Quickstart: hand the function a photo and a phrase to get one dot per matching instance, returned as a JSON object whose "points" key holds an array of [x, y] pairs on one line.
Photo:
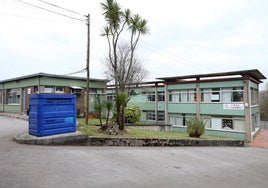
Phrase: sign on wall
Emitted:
{"points": [[233, 106]]}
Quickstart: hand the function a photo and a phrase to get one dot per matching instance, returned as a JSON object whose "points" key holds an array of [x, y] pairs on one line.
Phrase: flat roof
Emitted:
{"points": [[254, 73], [41, 74]]}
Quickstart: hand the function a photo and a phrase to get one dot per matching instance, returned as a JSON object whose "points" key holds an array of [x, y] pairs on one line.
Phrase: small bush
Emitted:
{"points": [[195, 127], [133, 114]]}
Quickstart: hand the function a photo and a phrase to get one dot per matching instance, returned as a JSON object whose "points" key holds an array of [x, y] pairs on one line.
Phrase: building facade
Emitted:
{"points": [[15, 92], [228, 101]]}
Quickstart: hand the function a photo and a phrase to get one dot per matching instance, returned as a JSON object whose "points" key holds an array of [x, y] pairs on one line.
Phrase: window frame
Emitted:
{"points": [[15, 92]]}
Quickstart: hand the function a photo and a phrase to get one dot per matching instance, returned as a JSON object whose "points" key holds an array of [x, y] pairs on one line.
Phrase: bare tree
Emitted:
{"points": [[127, 73]]}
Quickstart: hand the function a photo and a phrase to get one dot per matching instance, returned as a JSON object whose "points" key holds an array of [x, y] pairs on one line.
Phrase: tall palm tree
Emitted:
{"points": [[138, 27], [117, 20]]}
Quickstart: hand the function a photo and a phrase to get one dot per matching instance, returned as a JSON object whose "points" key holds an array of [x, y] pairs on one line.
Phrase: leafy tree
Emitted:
{"points": [[264, 104], [117, 22]]}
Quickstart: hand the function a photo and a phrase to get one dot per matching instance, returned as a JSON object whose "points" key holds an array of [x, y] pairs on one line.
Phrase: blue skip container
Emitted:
{"points": [[51, 114]]}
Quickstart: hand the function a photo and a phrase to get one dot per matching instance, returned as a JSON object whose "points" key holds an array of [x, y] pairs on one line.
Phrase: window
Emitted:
{"points": [[49, 89], [110, 96], [161, 116], [187, 95], [150, 116], [93, 90], [222, 123], [35, 90], [59, 89], [54, 89], [254, 96], [161, 96], [180, 119], [215, 96], [14, 96], [151, 96], [227, 124], [238, 95], [224, 95]]}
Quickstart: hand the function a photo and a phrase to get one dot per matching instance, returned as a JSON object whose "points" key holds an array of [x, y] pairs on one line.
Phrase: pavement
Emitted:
{"points": [[72, 138], [261, 140], [34, 166]]}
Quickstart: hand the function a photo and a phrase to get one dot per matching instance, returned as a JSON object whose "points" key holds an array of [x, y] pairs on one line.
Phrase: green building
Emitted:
{"points": [[15, 92], [227, 101]]}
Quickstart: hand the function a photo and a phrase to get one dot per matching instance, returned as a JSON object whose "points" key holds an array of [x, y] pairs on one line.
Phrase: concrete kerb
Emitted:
{"points": [[75, 138], [78, 138]]}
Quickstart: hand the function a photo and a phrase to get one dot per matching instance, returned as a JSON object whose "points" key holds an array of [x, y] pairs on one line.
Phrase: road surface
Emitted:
{"points": [[32, 166]]}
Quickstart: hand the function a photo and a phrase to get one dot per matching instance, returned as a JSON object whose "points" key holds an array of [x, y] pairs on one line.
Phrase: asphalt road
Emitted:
{"points": [[29, 166]]}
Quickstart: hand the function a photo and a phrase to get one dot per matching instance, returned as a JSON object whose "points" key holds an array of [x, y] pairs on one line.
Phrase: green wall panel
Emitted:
{"points": [[182, 86], [12, 108], [236, 83], [182, 108], [218, 110]]}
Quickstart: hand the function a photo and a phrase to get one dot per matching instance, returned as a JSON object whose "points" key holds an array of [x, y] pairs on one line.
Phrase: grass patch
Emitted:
{"points": [[92, 130]]}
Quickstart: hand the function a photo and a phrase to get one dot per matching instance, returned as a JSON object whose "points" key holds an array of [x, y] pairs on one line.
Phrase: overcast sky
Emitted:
{"points": [[186, 37]]}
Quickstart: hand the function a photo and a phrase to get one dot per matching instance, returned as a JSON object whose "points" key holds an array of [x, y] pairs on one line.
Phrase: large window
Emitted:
{"points": [[180, 119], [181, 96], [224, 95], [14, 96], [160, 96], [222, 123], [150, 116]]}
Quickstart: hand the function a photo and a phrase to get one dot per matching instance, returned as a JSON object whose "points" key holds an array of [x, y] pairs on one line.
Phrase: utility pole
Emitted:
{"points": [[87, 67]]}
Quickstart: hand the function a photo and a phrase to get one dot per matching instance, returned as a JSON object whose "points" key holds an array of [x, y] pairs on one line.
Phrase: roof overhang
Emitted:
{"points": [[253, 73]]}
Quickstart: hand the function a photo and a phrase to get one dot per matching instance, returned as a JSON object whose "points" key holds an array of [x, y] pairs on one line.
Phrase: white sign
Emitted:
{"points": [[215, 97], [233, 106]]}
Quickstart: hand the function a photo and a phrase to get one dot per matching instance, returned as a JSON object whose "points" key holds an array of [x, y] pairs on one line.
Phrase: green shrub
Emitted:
{"points": [[133, 114], [195, 127]]}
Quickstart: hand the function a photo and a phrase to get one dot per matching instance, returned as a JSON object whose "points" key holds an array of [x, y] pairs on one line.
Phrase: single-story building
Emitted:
{"points": [[15, 92]]}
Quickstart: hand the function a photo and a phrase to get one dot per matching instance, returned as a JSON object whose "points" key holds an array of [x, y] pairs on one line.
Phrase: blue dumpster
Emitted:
{"points": [[51, 114]]}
